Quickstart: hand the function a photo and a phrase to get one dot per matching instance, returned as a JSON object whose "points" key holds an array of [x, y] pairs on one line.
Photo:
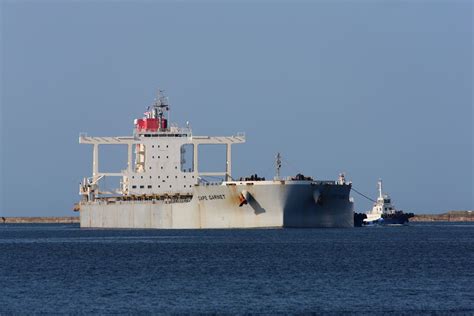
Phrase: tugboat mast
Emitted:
{"points": [[380, 188]]}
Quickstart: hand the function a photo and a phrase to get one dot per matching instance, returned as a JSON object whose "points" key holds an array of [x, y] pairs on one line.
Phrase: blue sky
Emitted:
{"points": [[371, 88]]}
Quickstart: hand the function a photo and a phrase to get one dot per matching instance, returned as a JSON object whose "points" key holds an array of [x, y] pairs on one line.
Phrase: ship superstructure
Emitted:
{"points": [[162, 186]]}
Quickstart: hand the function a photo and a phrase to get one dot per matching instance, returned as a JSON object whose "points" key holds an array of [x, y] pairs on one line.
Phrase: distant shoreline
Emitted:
{"points": [[40, 220], [451, 216]]}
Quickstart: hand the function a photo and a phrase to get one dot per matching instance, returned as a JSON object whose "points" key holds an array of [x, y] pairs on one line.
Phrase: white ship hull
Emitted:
{"points": [[270, 204]]}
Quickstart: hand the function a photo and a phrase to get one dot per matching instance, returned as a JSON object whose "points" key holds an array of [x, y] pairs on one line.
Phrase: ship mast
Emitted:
{"points": [[159, 106], [278, 166], [380, 188]]}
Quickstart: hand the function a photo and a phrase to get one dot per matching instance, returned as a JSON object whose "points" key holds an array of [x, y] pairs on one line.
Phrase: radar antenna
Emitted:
{"points": [[160, 106]]}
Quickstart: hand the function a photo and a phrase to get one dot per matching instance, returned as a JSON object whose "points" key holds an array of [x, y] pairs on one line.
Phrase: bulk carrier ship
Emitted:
{"points": [[163, 188]]}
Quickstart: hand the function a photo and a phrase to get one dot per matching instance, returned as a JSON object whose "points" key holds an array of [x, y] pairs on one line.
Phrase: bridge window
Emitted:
{"points": [[134, 186], [142, 187], [149, 187]]}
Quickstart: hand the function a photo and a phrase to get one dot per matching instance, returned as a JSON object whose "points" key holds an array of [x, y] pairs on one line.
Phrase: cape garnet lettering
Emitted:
{"points": [[212, 197]]}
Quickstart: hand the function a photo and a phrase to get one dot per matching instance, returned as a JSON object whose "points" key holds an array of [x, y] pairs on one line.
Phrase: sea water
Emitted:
{"points": [[421, 268]]}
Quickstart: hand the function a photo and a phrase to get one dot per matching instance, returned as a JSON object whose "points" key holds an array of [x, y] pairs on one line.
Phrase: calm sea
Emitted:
{"points": [[422, 268]]}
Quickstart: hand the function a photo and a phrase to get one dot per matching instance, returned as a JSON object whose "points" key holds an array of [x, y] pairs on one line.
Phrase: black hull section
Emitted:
{"points": [[398, 218], [331, 208]]}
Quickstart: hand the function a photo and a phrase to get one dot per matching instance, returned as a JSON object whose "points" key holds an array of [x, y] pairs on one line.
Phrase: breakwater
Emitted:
{"points": [[40, 220], [451, 216]]}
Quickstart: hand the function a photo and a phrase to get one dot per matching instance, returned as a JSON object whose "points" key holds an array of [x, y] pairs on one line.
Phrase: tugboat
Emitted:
{"points": [[384, 212]]}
